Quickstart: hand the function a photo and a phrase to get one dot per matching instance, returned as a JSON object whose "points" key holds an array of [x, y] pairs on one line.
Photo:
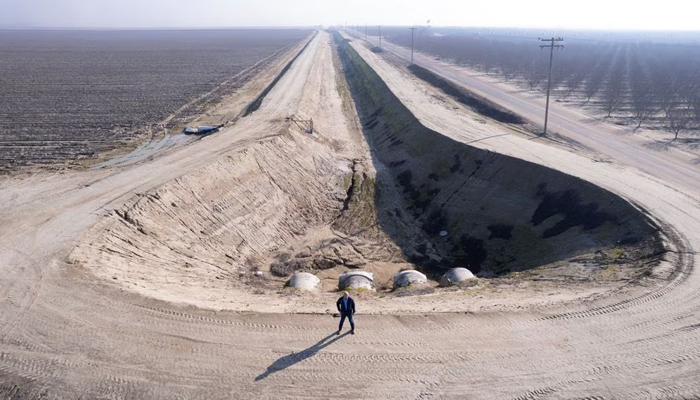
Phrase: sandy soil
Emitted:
{"points": [[66, 334], [199, 239], [277, 196]]}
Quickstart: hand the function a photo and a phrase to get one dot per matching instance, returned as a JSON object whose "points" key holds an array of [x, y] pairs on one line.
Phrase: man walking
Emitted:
{"points": [[346, 307]]}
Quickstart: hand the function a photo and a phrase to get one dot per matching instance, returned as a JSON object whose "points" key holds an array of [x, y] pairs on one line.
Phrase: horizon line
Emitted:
{"points": [[321, 26]]}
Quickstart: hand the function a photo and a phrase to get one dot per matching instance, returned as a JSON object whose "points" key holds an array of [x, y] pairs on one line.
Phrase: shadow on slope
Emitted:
{"points": [[474, 208], [476, 103]]}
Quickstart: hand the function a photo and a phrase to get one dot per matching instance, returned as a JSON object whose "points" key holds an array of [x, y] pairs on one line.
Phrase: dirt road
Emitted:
{"points": [[65, 334], [612, 143]]}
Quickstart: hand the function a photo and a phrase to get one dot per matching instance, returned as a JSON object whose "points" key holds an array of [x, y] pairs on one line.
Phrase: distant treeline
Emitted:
{"points": [[636, 78]]}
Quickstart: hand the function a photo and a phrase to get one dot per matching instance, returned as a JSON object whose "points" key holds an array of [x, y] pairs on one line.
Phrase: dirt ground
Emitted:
{"points": [[196, 240], [96, 303]]}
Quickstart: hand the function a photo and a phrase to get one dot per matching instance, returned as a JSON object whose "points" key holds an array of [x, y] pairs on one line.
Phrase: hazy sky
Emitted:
{"points": [[594, 14]]}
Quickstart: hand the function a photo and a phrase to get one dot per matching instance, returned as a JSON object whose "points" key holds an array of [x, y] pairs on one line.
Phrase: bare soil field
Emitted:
{"points": [[155, 279], [69, 95]]}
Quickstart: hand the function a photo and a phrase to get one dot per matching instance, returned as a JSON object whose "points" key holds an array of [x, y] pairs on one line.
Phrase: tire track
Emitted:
{"points": [[684, 268], [28, 299]]}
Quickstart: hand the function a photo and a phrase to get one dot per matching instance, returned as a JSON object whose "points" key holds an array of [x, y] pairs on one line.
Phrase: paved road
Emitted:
{"points": [[602, 138]]}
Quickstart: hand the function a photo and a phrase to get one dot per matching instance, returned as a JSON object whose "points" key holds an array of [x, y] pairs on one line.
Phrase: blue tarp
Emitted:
{"points": [[200, 130]]}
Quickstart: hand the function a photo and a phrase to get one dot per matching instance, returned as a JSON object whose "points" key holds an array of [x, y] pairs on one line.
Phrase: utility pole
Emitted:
{"points": [[551, 46], [412, 31], [365, 31], [380, 36]]}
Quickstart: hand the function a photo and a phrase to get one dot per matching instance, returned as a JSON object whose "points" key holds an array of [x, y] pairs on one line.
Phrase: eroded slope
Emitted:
{"points": [[292, 201], [329, 201]]}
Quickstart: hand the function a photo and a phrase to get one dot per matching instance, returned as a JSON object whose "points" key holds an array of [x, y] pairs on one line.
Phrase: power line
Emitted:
{"points": [[412, 31], [551, 46]]}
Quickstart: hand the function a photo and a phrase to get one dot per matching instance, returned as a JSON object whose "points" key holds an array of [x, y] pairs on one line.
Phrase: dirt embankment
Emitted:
{"points": [[488, 212], [292, 201], [255, 104], [476, 103], [330, 201]]}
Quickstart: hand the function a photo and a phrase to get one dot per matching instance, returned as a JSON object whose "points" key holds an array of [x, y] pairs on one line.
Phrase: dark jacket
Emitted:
{"points": [[341, 306]]}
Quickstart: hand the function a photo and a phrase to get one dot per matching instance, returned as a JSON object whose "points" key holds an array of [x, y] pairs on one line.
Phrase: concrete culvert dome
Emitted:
{"points": [[409, 277], [356, 280], [456, 275], [304, 281]]}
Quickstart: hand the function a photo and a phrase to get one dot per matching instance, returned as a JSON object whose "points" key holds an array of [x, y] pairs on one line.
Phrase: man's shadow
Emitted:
{"points": [[291, 359]]}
